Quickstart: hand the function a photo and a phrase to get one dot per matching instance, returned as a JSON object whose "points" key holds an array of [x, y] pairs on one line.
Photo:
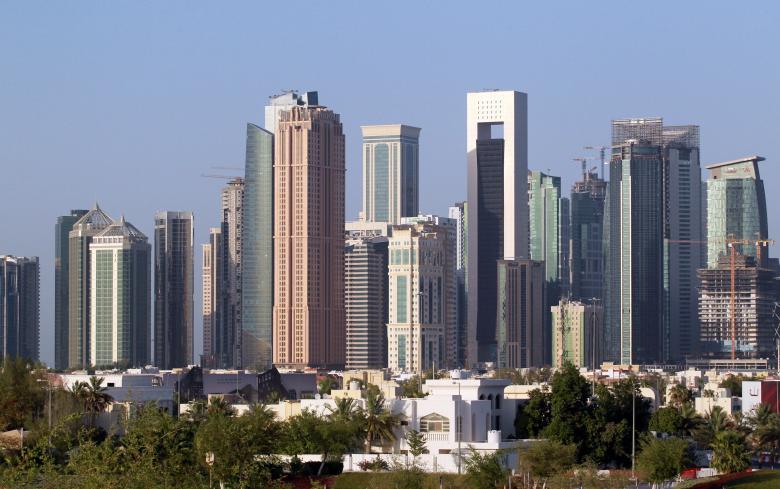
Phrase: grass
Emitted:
{"points": [[769, 479], [387, 480]]}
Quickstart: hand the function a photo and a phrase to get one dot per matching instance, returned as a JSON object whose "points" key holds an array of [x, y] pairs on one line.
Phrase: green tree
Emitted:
{"points": [[416, 442], [93, 396], [729, 452], [330, 437], [547, 458], [326, 385], [535, 415], [662, 460], [666, 420], [345, 409], [678, 396], [734, 384], [569, 407], [690, 421], [484, 471], [378, 421], [412, 388], [22, 397], [765, 430]]}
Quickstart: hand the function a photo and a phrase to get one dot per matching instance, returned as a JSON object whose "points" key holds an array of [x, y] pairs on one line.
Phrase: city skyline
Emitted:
{"points": [[730, 111]]}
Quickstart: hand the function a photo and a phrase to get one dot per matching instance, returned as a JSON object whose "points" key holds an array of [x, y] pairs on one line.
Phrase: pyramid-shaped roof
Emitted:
{"points": [[95, 218], [124, 229]]}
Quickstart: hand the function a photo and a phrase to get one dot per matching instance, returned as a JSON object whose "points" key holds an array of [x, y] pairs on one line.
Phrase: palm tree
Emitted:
{"points": [[729, 452], [378, 421], [679, 395], [218, 406], [690, 419], [93, 396], [344, 410], [766, 430]]}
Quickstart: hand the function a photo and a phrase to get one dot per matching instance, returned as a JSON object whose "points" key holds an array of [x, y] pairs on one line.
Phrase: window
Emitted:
{"points": [[434, 422]]}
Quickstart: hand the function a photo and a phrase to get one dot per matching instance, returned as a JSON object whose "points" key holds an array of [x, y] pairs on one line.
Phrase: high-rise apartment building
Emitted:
{"points": [[120, 297], [520, 327], [390, 172], [576, 329], [215, 348], [683, 235], [634, 244], [736, 207], [19, 307], [79, 283], [231, 263], [365, 300], [587, 237], [421, 297], [756, 293], [62, 231], [497, 152], [286, 101], [257, 261], [458, 213], [174, 327], [309, 316]]}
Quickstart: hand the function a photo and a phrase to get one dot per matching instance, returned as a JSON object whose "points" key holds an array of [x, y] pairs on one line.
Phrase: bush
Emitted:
{"points": [[375, 465]]}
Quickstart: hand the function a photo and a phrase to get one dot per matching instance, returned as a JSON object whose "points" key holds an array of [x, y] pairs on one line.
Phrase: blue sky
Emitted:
{"points": [[128, 103]]}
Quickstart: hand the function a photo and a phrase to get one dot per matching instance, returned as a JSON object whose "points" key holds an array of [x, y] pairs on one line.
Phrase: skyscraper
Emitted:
{"points": [[587, 235], [736, 207], [62, 230], [79, 282], [634, 244], [365, 299], [173, 289], [309, 317], [520, 326], [497, 151], [120, 302], [458, 213], [231, 263], [575, 330], [683, 233], [214, 354], [286, 101], [257, 291], [19, 307], [390, 172], [421, 298]]}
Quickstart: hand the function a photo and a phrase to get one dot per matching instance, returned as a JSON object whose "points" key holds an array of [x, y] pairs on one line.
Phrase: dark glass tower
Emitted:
{"points": [[19, 307], [587, 234], [173, 289], [62, 229], [257, 260]]}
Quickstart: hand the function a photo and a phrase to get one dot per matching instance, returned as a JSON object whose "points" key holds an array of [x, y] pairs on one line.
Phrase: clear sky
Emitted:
{"points": [[128, 103]]}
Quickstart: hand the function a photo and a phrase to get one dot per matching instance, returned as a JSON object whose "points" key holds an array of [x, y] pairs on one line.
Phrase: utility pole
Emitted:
{"points": [[633, 428]]}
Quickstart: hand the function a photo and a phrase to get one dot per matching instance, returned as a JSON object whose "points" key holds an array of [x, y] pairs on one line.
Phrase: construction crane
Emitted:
{"points": [[602, 153], [731, 243], [221, 177], [583, 162]]}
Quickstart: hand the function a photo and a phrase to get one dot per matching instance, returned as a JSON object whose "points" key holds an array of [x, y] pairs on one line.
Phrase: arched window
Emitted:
{"points": [[434, 422], [482, 397]]}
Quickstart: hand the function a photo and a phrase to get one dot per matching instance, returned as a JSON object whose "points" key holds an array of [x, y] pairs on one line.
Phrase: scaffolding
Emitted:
{"points": [[644, 129], [681, 136]]}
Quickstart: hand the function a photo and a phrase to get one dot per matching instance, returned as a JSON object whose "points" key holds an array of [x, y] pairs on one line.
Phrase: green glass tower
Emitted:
{"points": [[62, 230]]}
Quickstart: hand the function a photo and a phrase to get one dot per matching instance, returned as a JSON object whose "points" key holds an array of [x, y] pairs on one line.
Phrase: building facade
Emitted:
{"points": [[736, 207], [214, 343], [79, 283], [576, 329], [62, 230], [309, 317], [634, 244], [587, 237], [19, 307], [458, 214], [497, 155], [520, 319], [231, 262], [365, 300], [286, 101], [421, 297], [390, 172], [120, 297], [756, 293], [257, 260], [174, 326]]}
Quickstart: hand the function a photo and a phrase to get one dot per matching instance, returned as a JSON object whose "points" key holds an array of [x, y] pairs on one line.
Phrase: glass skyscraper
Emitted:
{"points": [[587, 235], [390, 172], [62, 230], [257, 261], [19, 307]]}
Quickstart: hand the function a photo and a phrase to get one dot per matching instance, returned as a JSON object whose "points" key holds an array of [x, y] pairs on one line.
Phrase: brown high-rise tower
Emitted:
{"points": [[309, 319]]}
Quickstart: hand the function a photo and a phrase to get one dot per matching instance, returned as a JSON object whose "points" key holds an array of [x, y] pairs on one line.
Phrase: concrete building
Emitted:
{"points": [[79, 281], [497, 152], [520, 327], [309, 317], [231, 261], [736, 207], [757, 392], [211, 292], [365, 299], [576, 330], [390, 172], [62, 230], [366, 229], [756, 292], [257, 294], [120, 297], [421, 297], [634, 231], [683, 235], [587, 237], [458, 213], [174, 326], [20, 307], [286, 101]]}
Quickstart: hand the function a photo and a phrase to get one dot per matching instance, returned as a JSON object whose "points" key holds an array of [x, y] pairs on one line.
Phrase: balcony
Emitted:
{"points": [[437, 436]]}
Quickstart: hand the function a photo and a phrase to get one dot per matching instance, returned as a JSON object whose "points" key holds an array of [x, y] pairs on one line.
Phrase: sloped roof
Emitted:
{"points": [[122, 228], [95, 218]]}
